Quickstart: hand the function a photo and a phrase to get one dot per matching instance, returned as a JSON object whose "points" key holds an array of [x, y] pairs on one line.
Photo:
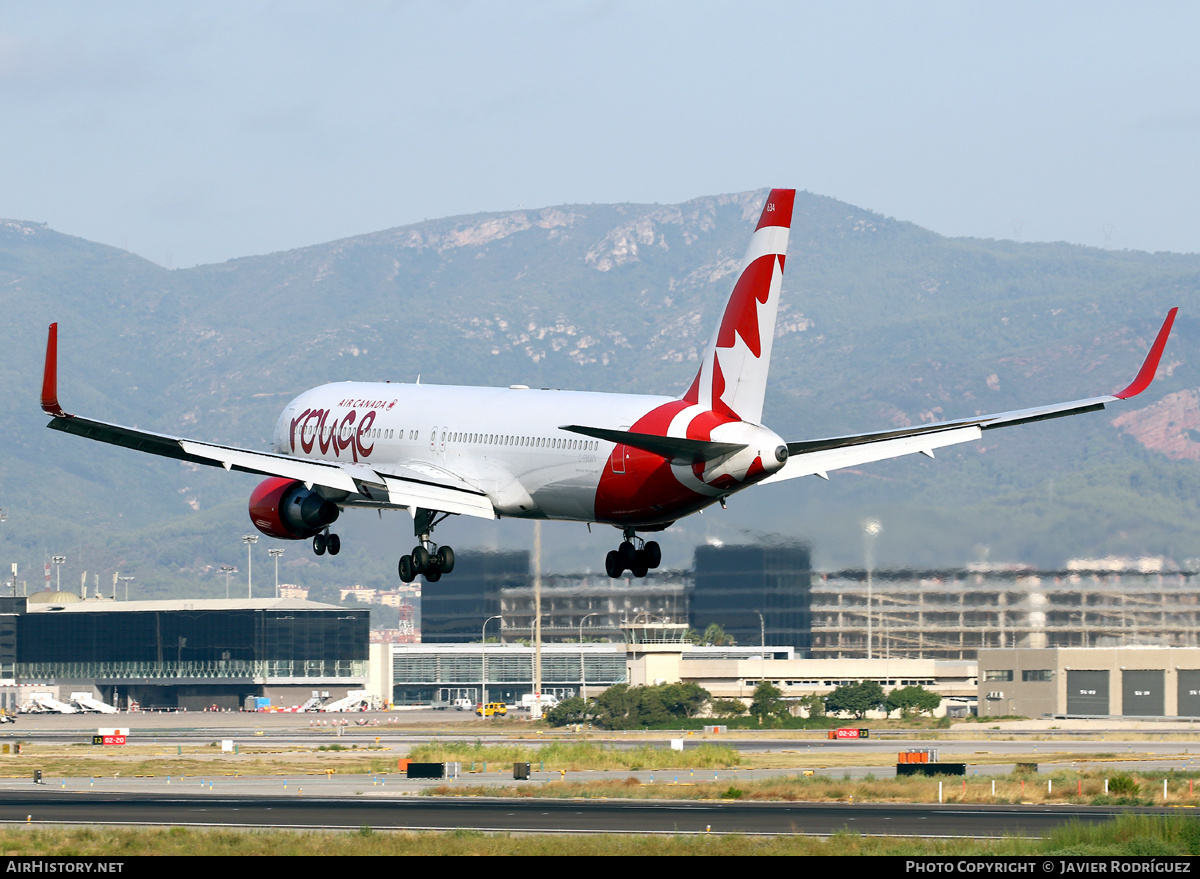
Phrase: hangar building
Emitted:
{"points": [[1127, 681]]}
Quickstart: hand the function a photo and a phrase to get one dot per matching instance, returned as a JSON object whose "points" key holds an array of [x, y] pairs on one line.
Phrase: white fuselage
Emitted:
{"points": [[508, 443]]}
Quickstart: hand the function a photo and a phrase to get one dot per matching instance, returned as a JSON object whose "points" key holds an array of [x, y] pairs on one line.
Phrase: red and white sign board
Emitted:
{"points": [[851, 733], [111, 735]]}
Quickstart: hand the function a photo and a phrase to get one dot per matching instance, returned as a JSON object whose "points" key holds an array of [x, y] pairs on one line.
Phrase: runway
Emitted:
{"points": [[302, 812]]}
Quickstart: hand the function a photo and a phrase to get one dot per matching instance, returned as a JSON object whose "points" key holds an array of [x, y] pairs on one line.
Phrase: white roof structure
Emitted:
{"points": [[181, 604]]}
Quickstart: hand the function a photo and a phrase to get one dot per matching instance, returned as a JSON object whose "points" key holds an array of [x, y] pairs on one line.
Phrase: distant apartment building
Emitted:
{"points": [[395, 598], [594, 606], [404, 633], [955, 613], [769, 594], [365, 594]]}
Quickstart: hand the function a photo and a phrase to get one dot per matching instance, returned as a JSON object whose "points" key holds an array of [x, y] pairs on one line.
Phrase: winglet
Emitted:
{"points": [[1150, 364], [50, 377]]}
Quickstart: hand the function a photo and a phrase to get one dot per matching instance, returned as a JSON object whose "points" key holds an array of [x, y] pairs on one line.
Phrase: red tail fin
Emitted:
{"points": [[732, 378]]}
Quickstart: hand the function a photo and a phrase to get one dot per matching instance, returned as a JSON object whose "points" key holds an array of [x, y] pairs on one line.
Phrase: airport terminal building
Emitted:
{"points": [[651, 653], [193, 654]]}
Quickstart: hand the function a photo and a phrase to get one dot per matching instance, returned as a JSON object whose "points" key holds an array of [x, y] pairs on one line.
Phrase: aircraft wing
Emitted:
{"points": [[400, 486], [431, 488], [818, 457]]}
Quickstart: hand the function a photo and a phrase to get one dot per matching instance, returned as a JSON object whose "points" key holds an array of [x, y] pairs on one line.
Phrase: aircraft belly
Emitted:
{"points": [[648, 494], [572, 499]]}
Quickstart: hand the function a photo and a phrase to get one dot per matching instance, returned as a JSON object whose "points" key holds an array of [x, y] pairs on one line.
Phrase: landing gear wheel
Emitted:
{"points": [[407, 574], [427, 557], [335, 544], [319, 544], [639, 568], [653, 554], [420, 557], [626, 555], [612, 564]]}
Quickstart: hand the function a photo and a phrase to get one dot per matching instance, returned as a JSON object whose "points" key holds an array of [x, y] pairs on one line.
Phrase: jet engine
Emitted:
{"points": [[284, 508]]}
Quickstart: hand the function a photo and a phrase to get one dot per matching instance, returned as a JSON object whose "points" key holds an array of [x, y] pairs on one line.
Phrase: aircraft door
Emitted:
{"points": [[620, 454], [283, 438]]}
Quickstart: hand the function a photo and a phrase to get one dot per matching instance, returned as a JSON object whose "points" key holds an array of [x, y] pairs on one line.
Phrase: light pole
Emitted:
{"points": [[275, 552], [250, 540], [483, 654], [871, 529], [762, 656], [3, 519], [58, 561], [126, 580], [582, 674], [227, 570]]}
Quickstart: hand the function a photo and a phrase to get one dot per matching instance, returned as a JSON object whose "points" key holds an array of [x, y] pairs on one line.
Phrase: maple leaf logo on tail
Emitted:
{"points": [[732, 378]]}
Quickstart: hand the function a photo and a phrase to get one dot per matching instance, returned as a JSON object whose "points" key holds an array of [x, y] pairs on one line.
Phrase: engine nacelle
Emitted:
{"points": [[284, 508]]}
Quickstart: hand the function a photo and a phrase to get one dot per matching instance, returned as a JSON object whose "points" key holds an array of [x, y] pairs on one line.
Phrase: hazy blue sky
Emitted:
{"points": [[196, 132]]}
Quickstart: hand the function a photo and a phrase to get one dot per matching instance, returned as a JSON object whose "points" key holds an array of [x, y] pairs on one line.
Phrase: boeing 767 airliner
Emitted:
{"points": [[636, 462]]}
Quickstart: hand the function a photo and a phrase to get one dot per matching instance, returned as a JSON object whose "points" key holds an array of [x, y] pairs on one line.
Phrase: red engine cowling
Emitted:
{"points": [[284, 508]]}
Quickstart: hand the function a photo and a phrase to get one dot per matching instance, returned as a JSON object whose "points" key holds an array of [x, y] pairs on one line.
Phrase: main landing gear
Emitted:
{"points": [[427, 558], [634, 555], [323, 541]]}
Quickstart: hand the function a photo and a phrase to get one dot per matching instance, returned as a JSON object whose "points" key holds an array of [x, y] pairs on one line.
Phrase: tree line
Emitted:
{"points": [[669, 705]]}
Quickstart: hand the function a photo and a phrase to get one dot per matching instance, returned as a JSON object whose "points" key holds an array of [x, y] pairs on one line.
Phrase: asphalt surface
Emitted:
{"points": [[544, 816]]}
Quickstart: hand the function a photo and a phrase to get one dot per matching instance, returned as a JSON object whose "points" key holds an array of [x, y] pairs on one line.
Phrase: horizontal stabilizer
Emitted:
{"points": [[674, 448]]}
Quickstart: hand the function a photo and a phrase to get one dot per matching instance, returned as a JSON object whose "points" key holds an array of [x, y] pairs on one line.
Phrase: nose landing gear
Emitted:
{"points": [[634, 555], [427, 558]]}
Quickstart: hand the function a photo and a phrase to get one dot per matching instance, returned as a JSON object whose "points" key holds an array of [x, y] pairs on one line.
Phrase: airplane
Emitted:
{"points": [[636, 462]]}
